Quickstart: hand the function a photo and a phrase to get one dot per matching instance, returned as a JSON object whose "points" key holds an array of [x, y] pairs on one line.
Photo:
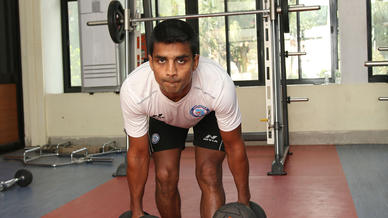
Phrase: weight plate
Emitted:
{"points": [[284, 16], [259, 212], [27, 177], [116, 21]]}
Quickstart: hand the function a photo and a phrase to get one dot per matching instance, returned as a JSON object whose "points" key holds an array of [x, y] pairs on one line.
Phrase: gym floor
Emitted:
{"points": [[323, 181]]}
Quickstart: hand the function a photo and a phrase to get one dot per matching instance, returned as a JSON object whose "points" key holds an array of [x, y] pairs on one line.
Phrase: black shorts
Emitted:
{"points": [[206, 134]]}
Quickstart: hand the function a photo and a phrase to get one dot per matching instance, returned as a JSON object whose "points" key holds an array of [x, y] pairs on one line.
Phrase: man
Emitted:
{"points": [[160, 101]]}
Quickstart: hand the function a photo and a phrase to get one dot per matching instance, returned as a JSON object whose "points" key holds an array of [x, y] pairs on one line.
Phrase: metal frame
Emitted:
{"points": [[68, 88], [370, 64], [277, 99], [86, 158]]}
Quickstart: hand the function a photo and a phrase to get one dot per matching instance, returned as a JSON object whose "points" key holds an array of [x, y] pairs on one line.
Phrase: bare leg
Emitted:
{"points": [[209, 176], [167, 195]]}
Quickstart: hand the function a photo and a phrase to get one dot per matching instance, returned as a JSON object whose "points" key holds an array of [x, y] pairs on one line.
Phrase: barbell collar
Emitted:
{"points": [[383, 98], [383, 49], [376, 63]]}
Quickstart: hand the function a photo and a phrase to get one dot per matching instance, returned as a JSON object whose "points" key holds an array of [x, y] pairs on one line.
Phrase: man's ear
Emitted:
{"points": [[196, 61], [150, 62]]}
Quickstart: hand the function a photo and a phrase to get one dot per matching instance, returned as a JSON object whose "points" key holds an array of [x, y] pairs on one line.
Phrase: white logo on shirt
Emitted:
{"points": [[210, 138], [155, 138]]}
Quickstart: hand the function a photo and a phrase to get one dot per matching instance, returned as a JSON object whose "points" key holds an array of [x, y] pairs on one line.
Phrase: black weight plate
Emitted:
{"points": [[234, 210], [128, 214], [284, 16], [259, 212], [27, 177], [116, 21]]}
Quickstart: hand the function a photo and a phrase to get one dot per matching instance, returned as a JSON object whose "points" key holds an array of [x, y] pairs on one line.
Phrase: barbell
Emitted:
{"points": [[119, 20], [22, 178]]}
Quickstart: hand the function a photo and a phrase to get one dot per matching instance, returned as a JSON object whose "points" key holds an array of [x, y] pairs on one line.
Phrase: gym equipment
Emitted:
{"points": [[118, 19], [77, 156], [259, 211], [234, 210], [382, 48], [128, 214], [383, 98], [275, 24], [377, 63], [22, 177]]}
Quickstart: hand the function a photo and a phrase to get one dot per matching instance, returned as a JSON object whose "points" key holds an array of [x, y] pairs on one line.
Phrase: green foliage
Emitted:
{"points": [[380, 23], [379, 34]]}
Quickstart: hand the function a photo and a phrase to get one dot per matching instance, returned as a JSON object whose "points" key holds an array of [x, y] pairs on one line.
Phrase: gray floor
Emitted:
{"points": [[41, 196], [366, 170]]}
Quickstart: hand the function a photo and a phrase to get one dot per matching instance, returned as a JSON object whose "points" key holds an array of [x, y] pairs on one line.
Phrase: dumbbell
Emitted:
{"points": [[128, 214], [239, 210], [22, 178]]}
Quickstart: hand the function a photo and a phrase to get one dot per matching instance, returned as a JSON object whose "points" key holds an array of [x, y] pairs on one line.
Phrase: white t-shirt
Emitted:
{"points": [[212, 90]]}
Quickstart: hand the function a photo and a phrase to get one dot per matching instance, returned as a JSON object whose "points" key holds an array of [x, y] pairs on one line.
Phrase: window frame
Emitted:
{"points": [[68, 88], [372, 78], [333, 8], [192, 7]]}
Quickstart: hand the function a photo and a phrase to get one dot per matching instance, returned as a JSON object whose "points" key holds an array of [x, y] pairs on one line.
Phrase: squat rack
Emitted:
{"points": [[276, 23]]}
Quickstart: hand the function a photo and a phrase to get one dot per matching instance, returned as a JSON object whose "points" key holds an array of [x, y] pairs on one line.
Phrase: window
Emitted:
{"points": [[313, 32], [70, 46], [377, 15], [236, 42], [231, 41]]}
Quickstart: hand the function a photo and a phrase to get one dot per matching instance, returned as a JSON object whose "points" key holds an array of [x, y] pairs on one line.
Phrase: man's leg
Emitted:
{"points": [[209, 175], [167, 176]]}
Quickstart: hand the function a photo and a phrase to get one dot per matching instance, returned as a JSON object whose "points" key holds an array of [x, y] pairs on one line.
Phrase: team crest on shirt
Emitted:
{"points": [[199, 111]]}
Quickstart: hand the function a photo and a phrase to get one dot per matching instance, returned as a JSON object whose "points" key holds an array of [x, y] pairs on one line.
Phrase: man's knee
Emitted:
{"points": [[209, 175], [166, 180]]}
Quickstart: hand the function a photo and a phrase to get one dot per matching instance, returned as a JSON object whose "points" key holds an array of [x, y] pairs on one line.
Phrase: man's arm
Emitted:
{"points": [[238, 162], [138, 159]]}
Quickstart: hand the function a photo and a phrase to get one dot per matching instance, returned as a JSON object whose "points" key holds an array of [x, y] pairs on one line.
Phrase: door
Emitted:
{"points": [[11, 104]]}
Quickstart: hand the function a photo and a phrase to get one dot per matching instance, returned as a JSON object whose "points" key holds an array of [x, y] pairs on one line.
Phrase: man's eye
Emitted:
{"points": [[181, 61], [162, 61]]}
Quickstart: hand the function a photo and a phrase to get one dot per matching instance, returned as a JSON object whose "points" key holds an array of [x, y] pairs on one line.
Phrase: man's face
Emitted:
{"points": [[173, 64]]}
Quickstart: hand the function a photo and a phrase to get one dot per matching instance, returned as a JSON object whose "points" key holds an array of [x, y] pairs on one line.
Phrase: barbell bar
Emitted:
{"points": [[295, 8], [119, 19]]}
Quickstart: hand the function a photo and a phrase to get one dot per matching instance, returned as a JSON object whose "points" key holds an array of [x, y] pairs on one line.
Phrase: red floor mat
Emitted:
{"points": [[315, 187]]}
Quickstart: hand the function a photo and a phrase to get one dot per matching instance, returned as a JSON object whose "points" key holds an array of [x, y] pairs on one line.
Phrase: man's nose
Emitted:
{"points": [[171, 71]]}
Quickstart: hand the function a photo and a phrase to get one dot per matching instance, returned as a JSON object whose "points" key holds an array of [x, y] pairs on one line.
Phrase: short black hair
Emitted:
{"points": [[171, 31]]}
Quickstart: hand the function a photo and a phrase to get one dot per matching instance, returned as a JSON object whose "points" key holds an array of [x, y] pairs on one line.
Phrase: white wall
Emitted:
{"points": [[52, 46], [353, 41], [34, 106], [334, 109]]}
